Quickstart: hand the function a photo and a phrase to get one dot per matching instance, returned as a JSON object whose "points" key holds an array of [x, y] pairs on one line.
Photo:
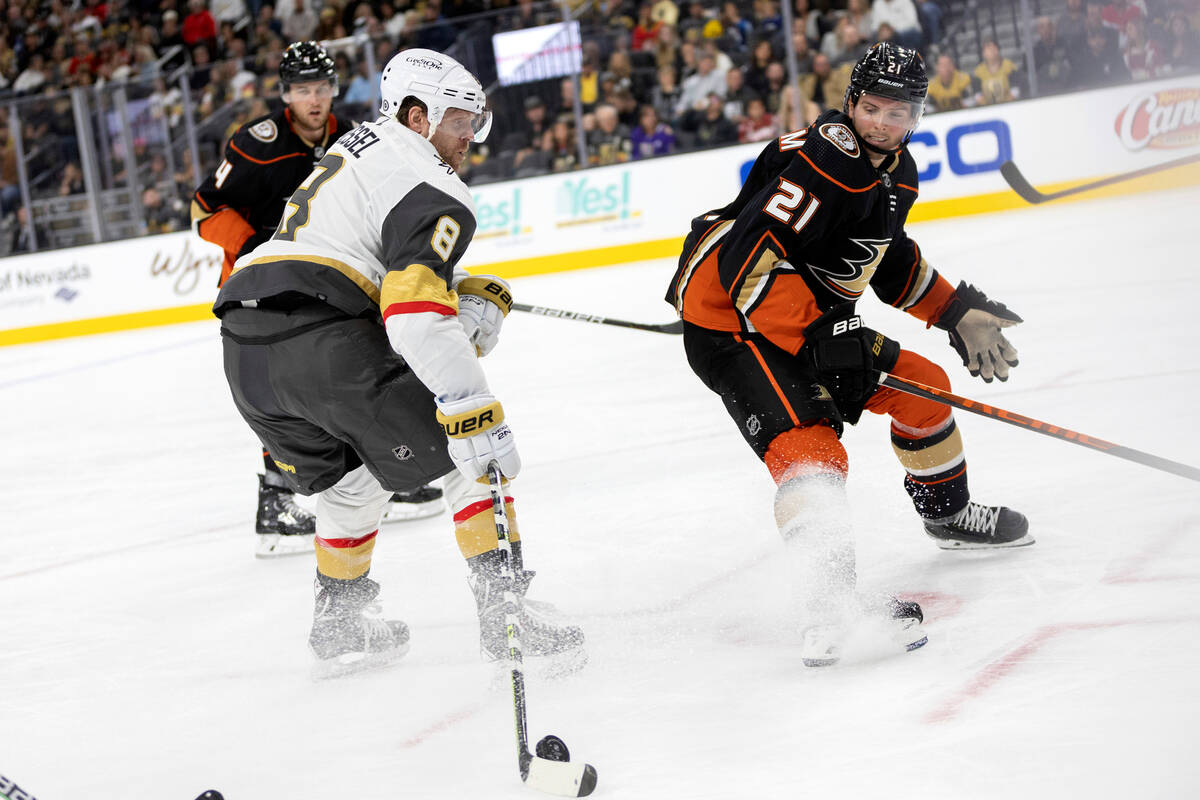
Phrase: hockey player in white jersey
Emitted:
{"points": [[352, 343]]}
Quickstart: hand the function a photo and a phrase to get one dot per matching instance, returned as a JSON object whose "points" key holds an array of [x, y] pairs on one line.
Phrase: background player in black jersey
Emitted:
{"points": [[238, 208], [766, 287]]}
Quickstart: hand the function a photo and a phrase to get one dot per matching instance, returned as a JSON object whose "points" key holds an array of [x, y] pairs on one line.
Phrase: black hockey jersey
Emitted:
{"points": [[814, 225], [239, 206]]}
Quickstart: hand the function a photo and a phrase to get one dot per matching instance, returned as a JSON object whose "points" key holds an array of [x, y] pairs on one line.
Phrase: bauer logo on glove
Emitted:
{"points": [[477, 435], [471, 422]]}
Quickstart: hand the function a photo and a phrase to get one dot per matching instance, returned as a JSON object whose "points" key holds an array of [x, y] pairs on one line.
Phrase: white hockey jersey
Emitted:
{"points": [[378, 227]]}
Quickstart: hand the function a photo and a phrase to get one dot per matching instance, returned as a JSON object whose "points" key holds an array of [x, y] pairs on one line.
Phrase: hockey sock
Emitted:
{"points": [[936, 467], [475, 527], [344, 559], [813, 514]]}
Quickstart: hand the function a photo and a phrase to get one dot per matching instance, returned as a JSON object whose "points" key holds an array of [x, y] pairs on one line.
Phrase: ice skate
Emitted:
{"points": [[896, 621], [543, 633], [979, 527], [349, 633], [283, 527], [420, 503]]}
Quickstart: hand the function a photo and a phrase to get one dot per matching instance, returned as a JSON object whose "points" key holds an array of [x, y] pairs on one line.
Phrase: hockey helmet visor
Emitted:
{"points": [[893, 72], [462, 124]]}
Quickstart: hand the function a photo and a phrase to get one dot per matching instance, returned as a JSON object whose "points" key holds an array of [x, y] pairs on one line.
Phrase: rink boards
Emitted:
{"points": [[641, 210]]}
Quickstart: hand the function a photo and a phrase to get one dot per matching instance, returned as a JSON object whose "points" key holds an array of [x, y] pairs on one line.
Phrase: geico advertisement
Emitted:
{"points": [[958, 154]]}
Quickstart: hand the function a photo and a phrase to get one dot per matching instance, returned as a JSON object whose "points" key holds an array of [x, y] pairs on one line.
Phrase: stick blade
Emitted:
{"points": [[562, 778], [1017, 181]]}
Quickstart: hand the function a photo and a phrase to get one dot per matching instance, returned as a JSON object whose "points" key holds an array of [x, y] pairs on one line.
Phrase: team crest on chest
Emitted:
{"points": [[841, 136], [265, 131]]}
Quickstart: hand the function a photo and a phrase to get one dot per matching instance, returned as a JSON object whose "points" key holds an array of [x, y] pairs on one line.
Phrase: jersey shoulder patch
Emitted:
{"points": [[841, 136], [266, 131], [834, 151]]}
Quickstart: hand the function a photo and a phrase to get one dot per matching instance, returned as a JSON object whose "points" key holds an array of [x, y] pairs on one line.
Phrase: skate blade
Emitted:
{"points": [[829, 661], [954, 544], [352, 663], [821, 645], [870, 640], [406, 512], [274, 545]]}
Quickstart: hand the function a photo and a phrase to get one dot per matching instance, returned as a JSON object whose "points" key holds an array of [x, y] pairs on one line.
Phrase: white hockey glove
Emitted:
{"points": [[974, 324], [478, 434], [483, 303]]}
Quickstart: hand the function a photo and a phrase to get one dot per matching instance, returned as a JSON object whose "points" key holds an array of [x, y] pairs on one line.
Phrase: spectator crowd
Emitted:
{"points": [[657, 77]]}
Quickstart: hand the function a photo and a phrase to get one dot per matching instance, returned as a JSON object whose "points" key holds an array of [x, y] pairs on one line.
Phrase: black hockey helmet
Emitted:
{"points": [[889, 70], [306, 61]]}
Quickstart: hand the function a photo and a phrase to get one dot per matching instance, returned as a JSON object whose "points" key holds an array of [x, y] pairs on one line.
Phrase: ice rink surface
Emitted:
{"points": [[147, 654]]}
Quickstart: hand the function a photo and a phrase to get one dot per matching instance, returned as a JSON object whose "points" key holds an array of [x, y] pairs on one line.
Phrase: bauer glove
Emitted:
{"points": [[483, 303], [847, 357], [478, 435], [974, 324]]}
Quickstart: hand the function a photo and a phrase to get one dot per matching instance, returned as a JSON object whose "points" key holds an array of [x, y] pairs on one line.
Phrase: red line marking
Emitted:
{"points": [[996, 671], [442, 724]]}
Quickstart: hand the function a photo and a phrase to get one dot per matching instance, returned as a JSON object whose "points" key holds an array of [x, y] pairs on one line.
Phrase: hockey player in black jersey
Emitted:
{"points": [[238, 208], [766, 287]]}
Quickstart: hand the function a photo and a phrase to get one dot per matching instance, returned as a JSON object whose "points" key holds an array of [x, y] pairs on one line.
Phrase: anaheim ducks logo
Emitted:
{"points": [[853, 279], [841, 136], [265, 131]]}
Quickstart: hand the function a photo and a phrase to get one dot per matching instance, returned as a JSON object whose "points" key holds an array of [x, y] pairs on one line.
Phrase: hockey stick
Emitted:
{"points": [[551, 770], [666, 327], [1031, 195], [1045, 428]]}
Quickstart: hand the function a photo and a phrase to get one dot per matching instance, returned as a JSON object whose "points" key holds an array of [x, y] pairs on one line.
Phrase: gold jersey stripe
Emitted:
{"points": [[360, 280], [416, 283]]}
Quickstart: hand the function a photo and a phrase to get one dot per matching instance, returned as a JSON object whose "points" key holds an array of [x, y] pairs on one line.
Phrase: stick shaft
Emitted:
{"points": [[511, 622], [543, 311], [1037, 426], [1023, 187]]}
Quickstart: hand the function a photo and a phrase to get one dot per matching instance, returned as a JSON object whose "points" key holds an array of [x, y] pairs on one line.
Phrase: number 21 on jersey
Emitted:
{"points": [[295, 214], [784, 202]]}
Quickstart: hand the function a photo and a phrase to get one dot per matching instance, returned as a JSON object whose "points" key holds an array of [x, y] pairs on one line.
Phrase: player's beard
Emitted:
{"points": [[310, 126], [450, 149]]}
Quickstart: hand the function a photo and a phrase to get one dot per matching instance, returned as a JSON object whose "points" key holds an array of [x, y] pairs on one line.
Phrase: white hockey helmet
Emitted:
{"points": [[440, 83]]}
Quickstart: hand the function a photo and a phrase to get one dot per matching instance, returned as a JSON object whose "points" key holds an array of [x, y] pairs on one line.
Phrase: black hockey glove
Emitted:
{"points": [[847, 357], [974, 324]]}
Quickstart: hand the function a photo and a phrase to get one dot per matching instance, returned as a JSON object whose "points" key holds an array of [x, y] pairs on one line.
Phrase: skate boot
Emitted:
{"points": [[898, 622], [543, 633], [348, 631], [283, 527], [425, 501], [979, 527]]}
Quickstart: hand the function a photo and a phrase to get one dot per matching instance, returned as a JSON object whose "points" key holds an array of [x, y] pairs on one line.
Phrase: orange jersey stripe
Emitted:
{"points": [[832, 180], [250, 158], [770, 377]]}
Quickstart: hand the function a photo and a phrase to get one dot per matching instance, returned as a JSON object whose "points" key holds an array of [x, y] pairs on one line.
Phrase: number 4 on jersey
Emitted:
{"points": [[784, 202]]}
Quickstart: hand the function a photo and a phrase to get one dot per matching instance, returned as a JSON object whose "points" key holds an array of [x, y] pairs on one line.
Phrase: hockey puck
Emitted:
{"points": [[552, 748], [211, 794]]}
